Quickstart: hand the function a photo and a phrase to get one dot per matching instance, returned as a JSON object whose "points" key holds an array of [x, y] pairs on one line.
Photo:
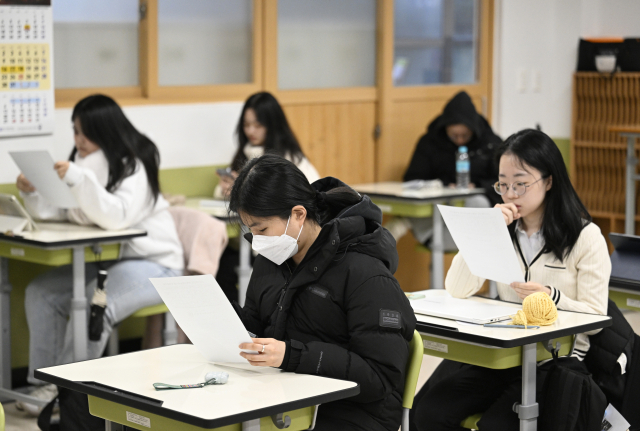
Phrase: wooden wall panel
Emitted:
{"points": [[338, 138]]}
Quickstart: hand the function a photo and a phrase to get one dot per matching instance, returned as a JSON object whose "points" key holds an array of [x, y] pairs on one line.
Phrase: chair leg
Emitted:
{"points": [[153, 332], [405, 420], [113, 344], [170, 330]]}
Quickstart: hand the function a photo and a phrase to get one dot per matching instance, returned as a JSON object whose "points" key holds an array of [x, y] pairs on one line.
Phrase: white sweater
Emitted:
{"points": [[579, 283], [131, 205], [303, 164]]}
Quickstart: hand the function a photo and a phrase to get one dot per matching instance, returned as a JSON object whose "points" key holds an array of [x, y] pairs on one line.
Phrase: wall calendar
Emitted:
{"points": [[26, 80]]}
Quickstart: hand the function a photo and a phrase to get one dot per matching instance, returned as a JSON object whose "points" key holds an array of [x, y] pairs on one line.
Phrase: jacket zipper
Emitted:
{"points": [[284, 289]]}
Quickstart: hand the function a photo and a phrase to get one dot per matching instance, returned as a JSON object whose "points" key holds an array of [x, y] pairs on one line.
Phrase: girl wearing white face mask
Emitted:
{"points": [[113, 174], [323, 276]]}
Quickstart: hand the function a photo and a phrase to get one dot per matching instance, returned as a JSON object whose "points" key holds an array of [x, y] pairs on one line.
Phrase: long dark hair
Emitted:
{"points": [[279, 139], [270, 186], [103, 123], [564, 213]]}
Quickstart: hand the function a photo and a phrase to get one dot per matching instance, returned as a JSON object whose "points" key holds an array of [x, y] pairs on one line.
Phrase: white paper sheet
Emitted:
{"points": [[37, 166], [483, 239], [206, 316]]}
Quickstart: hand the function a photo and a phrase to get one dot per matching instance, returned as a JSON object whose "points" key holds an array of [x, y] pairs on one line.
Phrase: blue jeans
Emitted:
{"points": [[48, 304]]}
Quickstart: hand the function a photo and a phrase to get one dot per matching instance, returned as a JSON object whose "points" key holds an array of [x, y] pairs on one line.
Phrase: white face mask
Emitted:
{"points": [[276, 248], [253, 151]]}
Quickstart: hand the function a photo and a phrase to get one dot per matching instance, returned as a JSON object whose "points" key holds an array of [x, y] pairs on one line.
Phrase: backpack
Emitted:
{"points": [[571, 400], [74, 413]]}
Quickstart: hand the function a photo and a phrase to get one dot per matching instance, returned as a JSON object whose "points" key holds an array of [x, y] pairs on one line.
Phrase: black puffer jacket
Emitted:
{"points": [[435, 154], [341, 313]]}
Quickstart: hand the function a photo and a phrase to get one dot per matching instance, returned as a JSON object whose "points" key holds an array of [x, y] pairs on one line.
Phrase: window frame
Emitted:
{"points": [[148, 91], [265, 68]]}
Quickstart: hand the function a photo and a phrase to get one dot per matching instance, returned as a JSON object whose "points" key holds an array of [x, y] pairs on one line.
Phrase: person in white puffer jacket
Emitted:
{"points": [[113, 174]]}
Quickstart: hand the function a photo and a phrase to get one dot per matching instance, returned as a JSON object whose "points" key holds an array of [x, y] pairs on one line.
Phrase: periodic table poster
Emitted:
{"points": [[26, 81]]}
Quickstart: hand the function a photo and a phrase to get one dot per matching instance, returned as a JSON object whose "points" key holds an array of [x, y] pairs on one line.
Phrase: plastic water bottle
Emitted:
{"points": [[462, 168]]}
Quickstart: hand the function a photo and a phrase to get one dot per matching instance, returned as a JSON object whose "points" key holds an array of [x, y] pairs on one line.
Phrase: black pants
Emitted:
{"points": [[467, 390]]}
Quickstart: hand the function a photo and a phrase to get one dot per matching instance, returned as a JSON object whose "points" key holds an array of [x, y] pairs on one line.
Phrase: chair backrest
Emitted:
{"points": [[416, 352]]}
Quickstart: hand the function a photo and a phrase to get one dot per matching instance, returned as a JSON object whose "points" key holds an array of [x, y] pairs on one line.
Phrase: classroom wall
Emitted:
{"points": [[535, 47], [199, 134]]}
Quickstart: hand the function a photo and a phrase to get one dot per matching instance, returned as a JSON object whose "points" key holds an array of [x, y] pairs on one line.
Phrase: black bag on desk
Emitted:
{"points": [[571, 400], [74, 413]]}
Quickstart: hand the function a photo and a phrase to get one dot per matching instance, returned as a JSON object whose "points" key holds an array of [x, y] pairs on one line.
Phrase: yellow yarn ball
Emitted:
{"points": [[537, 309]]}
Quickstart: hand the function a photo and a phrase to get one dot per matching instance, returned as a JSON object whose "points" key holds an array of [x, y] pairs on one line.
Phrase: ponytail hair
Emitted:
{"points": [[270, 186]]}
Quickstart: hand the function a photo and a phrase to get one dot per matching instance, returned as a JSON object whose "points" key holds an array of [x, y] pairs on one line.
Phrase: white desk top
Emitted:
{"points": [[394, 189], [52, 235], [568, 323], [214, 207], [248, 389]]}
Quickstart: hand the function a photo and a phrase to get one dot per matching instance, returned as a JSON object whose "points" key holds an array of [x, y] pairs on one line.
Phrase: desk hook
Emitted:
{"points": [[281, 421], [548, 346]]}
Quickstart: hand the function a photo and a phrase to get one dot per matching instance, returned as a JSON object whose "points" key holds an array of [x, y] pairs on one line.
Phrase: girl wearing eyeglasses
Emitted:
{"points": [[561, 252]]}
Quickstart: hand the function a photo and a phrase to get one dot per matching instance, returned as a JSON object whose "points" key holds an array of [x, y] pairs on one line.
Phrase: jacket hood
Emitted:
{"points": [[459, 110], [358, 228]]}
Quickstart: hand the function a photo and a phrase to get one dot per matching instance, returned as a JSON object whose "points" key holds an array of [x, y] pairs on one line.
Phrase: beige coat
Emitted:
{"points": [[580, 283]]}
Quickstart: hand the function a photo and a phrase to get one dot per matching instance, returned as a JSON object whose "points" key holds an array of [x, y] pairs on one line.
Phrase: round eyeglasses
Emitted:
{"points": [[519, 188]]}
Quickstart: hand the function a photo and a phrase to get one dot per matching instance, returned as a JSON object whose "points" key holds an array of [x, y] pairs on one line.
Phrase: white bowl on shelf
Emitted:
{"points": [[605, 63]]}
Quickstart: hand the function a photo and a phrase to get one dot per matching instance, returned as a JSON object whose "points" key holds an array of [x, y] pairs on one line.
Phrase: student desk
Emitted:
{"points": [[55, 244], [120, 390], [220, 211], [632, 133], [500, 348], [393, 199]]}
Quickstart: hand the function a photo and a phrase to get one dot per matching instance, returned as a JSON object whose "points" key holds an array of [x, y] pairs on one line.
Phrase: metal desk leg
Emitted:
{"points": [[437, 250], [630, 200], [5, 321], [112, 426], [79, 306], [528, 409], [244, 270]]}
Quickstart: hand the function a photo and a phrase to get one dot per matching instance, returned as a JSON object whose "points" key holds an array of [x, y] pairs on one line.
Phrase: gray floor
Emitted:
{"points": [[18, 421]]}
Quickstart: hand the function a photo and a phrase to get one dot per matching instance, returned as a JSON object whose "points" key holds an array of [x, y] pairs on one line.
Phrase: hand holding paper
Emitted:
{"points": [[205, 315], [37, 167], [484, 242]]}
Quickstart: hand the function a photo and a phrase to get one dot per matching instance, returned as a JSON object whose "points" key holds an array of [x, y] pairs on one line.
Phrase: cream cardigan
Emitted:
{"points": [[579, 283]]}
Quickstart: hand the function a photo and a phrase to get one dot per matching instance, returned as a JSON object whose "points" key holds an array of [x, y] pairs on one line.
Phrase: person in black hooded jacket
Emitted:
{"points": [[435, 159], [322, 297], [458, 125]]}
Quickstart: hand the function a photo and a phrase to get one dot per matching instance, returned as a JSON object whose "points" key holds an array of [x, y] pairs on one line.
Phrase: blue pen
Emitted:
{"points": [[489, 325]]}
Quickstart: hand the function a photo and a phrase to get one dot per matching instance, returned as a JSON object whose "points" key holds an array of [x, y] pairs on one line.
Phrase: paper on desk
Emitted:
{"points": [[37, 166], [484, 242], [206, 316]]}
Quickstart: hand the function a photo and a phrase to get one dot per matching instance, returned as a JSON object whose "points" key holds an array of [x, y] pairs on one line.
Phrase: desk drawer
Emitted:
{"points": [[483, 356], [141, 420]]}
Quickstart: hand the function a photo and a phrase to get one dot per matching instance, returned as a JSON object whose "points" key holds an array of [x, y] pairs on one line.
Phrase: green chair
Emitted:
{"points": [[471, 422], [1, 418], [170, 332], [416, 350]]}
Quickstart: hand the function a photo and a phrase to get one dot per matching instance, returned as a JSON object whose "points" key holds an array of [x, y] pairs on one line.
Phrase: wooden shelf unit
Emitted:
{"points": [[598, 156]]}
